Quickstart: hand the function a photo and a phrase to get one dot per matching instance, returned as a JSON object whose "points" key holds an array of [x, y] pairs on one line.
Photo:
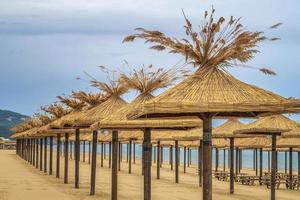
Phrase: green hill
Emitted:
{"points": [[9, 119]]}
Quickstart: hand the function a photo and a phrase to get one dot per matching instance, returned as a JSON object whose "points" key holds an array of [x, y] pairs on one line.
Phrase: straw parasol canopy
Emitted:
{"points": [[226, 130], [294, 133], [270, 124]]}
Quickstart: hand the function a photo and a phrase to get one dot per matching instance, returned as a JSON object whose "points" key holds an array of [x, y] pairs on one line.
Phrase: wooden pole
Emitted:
{"points": [[256, 163], [147, 163], [51, 155], [77, 156], [104, 151], [129, 155], [127, 151], [188, 157], [176, 162], [83, 158], [90, 152], [66, 158], [45, 154], [37, 153], [273, 171], [71, 149], [298, 163], [285, 162], [184, 160], [93, 165], [269, 169], [240, 160], [114, 166], [119, 156], [33, 152], [206, 158], [58, 146], [236, 160], [224, 160], [171, 156], [109, 155], [290, 168], [217, 160], [200, 168], [102, 147], [158, 160], [231, 165], [254, 159], [41, 154], [260, 165]]}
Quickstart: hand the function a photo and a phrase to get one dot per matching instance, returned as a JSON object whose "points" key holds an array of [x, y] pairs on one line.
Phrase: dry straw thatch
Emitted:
{"points": [[218, 45], [226, 130], [270, 124]]}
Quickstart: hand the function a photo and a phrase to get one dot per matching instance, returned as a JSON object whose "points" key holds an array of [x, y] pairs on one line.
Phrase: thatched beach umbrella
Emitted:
{"points": [[273, 126], [211, 91]]}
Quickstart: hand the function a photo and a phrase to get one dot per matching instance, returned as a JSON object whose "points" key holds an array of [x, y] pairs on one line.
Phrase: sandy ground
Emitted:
{"points": [[20, 180]]}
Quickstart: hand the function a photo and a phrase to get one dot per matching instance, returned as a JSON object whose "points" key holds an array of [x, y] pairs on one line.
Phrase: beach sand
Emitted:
{"points": [[20, 180]]}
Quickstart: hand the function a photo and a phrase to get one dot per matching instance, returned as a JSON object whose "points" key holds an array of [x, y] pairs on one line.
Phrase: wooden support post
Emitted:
{"points": [[269, 169], [240, 160], [120, 156], [129, 155], [254, 154], [290, 168], [109, 155], [102, 147], [231, 165], [45, 154], [184, 160], [285, 162], [298, 163], [66, 145], [33, 152], [276, 161], [200, 166], [93, 165], [71, 149], [217, 160], [51, 155], [114, 167], [224, 160], [83, 158], [188, 157], [41, 154], [58, 149], [256, 163], [147, 163], [176, 162], [104, 151], [37, 153], [273, 170], [236, 160], [260, 165], [158, 160], [89, 152], [77, 156], [207, 158], [154, 154], [171, 156]]}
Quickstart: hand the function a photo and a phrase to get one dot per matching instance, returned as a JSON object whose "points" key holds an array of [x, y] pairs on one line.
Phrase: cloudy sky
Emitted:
{"points": [[45, 45]]}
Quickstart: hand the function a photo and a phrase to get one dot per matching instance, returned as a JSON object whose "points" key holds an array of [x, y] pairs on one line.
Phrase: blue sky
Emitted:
{"points": [[45, 45]]}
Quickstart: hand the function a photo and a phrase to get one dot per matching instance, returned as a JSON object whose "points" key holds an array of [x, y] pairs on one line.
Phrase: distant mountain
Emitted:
{"points": [[9, 119]]}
